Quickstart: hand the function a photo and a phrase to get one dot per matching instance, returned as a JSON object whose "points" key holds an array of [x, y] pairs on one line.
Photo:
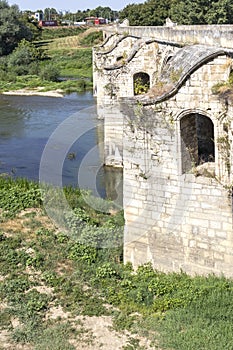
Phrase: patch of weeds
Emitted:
{"points": [[147, 324], [56, 336], [37, 260], [94, 307], [52, 279], [31, 214], [52, 335], [82, 253], [85, 336], [44, 232], [71, 295], [5, 317], [13, 287], [12, 260], [175, 75], [17, 195], [36, 302], [123, 320], [28, 332], [133, 344], [32, 223], [74, 298]]}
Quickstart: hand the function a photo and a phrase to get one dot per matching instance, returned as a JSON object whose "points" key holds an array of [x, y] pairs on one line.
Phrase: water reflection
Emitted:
{"points": [[12, 120]]}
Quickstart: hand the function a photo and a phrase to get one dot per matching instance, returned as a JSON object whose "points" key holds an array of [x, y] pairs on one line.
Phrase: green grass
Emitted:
{"points": [[32, 82], [173, 311], [205, 324], [60, 32], [73, 63]]}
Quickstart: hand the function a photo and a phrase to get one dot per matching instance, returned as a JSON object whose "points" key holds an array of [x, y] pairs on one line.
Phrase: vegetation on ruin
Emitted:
{"points": [[140, 87], [45, 270], [225, 88]]}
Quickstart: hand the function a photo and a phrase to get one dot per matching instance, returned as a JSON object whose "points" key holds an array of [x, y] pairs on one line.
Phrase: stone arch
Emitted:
{"points": [[141, 83], [197, 140]]}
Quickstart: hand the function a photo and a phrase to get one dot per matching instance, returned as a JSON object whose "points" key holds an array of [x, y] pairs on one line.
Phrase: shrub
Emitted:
{"points": [[23, 56], [49, 72]]}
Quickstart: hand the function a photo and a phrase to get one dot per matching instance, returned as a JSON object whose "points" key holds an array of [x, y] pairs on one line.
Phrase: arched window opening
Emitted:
{"points": [[197, 141], [141, 83]]}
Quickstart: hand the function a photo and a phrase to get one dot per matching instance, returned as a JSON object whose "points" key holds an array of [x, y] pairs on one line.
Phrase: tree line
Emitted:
{"points": [[51, 13], [187, 12]]}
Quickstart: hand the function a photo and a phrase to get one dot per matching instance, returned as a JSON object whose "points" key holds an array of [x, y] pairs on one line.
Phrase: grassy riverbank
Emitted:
{"points": [[63, 63], [58, 293]]}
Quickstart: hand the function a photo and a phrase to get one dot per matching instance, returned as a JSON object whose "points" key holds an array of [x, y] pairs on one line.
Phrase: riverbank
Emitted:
{"points": [[64, 66], [62, 290], [35, 92]]}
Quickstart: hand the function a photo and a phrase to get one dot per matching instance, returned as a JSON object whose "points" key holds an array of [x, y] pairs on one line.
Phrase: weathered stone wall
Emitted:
{"points": [[115, 65], [213, 35], [178, 220], [177, 203], [113, 135], [113, 79]]}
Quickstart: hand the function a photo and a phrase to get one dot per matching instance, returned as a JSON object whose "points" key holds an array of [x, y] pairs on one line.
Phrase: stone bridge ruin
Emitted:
{"points": [[172, 133]]}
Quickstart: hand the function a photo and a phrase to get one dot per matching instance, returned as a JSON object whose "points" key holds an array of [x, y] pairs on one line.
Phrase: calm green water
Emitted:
{"points": [[28, 122]]}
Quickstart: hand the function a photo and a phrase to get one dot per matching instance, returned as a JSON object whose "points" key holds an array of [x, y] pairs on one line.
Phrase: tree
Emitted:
{"points": [[155, 12], [12, 30], [32, 24], [104, 12], [50, 14], [151, 13], [201, 11], [221, 12], [23, 55]]}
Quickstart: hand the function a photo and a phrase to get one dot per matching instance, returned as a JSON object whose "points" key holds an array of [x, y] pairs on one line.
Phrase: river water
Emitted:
{"points": [[28, 123]]}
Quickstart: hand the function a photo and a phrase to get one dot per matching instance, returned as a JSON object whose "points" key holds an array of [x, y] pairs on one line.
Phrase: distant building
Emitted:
{"points": [[39, 16]]}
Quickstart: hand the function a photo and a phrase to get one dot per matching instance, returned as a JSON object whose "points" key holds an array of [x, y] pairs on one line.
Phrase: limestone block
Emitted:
{"points": [[215, 224]]}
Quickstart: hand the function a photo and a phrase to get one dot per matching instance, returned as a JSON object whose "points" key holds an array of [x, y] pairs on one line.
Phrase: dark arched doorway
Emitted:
{"points": [[141, 83], [197, 141]]}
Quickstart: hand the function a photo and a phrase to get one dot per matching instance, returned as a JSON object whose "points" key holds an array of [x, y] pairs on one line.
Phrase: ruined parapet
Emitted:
{"points": [[210, 35], [178, 171]]}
